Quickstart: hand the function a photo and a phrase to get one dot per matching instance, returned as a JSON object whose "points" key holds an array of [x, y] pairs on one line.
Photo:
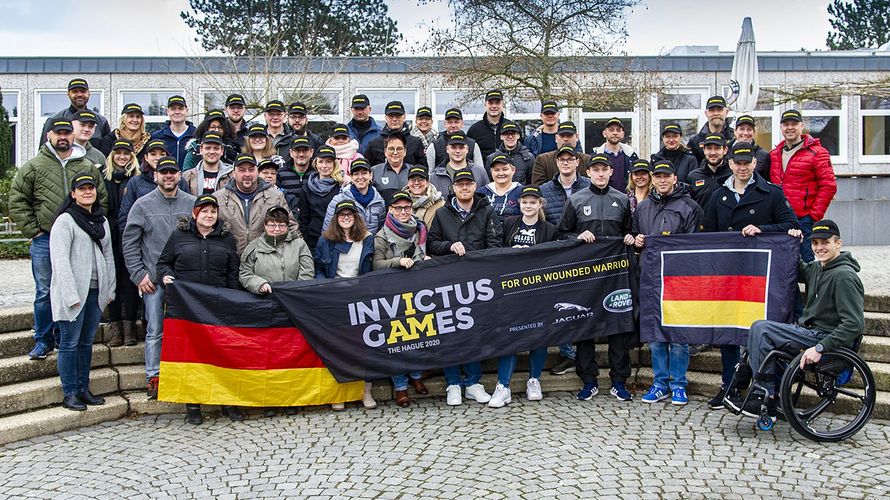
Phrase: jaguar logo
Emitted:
{"points": [[565, 306]]}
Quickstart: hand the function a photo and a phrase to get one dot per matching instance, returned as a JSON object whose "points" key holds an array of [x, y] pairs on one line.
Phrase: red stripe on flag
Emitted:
{"points": [[741, 288], [236, 347]]}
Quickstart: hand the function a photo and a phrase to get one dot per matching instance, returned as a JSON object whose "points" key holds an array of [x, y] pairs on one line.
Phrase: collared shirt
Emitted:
{"points": [[460, 211], [730, 183]]}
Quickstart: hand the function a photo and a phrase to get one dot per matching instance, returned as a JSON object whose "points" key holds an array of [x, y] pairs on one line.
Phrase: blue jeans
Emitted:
{"points": [[76, 346], [669, 364], [41, 269], [566, 351], [473, 371], [400, 382], [154, 330], [507, 364], [729, 356]]}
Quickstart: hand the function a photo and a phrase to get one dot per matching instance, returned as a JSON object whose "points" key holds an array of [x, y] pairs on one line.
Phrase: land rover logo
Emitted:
{"points": [[618, 301]]}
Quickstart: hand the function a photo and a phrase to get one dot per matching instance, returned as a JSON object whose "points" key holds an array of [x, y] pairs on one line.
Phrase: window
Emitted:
{"points": [[524, 108], [380, 97], [875, 144], [216, 99], [154, 104], [324, 107], [50, 102], [682, 105], [593, 122], [826, 121], [11, 105], [443, 100]]}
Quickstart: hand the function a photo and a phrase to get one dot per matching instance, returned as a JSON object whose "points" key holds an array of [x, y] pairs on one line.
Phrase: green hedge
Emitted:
{"points": [[17, 250]]}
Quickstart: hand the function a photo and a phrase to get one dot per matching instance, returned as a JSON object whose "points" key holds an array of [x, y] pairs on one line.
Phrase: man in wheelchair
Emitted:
{"points": [[832, 317]]}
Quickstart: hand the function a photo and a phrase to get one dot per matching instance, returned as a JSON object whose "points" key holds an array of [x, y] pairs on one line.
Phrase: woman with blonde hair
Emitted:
{"points": [[130, 128], [639, 183], [258, 143]]}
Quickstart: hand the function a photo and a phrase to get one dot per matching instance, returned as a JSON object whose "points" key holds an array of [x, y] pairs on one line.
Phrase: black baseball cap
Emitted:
{"points": [[501, 158], [346, 205], [82, 180], [742, 151], [509, 127], [531, 191], [340, 129], [78, 83], [454, 113], [132, 108], [824, 229], [641, 165], [424, 111], [206, 199], [122, 144], [418, 172], [359, 164], [714, 139], [615, 121], [167, 163], [717, 101], [394, 108], [85, 116], [791, 114], [235, 99], [567, 128], [60, 124], [744, 119], [245, 158], [360, 101], [256, 129], [266, 163], [301, 142], [325, 152], [274, 105], [463, 174], [566, 150], [296, 108], [494, 94], [394, 196], [212, 138], [663, 167], [176, 99], [155, 144], [549, 107], [600, 158], [457, 139], [672, 128], [215, 114]]}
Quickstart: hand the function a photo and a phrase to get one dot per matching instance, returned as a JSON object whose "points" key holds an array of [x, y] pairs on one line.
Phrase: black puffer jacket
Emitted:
{"points": [[415, 154], [313, 207], [684, 161], [481, 229], [675, 213], [188, 256], [522, 159]]}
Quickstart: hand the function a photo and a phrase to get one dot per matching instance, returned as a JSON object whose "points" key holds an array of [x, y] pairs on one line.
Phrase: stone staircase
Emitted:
{"points": [[30, 391]]}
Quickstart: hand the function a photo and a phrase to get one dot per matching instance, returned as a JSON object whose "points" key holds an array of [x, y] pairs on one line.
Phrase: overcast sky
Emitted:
{"points": [[154, 27]]}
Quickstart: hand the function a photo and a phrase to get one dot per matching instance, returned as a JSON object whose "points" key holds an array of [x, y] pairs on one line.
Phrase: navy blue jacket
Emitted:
{"points": [[327, 256], [363, 140], [555, 196], [175, 145], [763, 205]]}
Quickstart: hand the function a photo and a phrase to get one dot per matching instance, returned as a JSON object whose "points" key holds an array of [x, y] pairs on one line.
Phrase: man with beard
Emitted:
{"points": [[674, 151], [149, 225], [395, 123], [618, 152], [292, 177], [362, 127], [37, 191], [298, 121], [715, 111], [712, 173], [235, 110], [79, 95]]}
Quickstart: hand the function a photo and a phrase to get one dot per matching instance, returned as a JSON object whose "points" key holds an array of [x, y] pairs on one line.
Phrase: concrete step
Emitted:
{"points": [[14, 319], [57, 419], [34, 394], [21, 369], [877, 303], [877, 324], [16, 343], [875, 349]]}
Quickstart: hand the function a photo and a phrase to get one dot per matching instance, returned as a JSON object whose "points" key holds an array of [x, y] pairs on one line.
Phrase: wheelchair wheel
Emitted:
{"points": [[831, 400]]}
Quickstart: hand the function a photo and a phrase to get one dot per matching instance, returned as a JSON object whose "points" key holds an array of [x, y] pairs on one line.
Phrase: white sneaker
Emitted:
{"points": [[338, 406], [477, 392], [500, 397], [533, 390], [367, 399], [452, 395]]}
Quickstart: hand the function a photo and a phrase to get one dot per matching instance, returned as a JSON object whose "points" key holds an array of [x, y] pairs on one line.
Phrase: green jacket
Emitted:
{"points": [[289, 259], [835, 300], [40, 187]]}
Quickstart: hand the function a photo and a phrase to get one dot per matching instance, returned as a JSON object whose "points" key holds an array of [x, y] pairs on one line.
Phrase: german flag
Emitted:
{"points": [[242, 351], [714, 288]]}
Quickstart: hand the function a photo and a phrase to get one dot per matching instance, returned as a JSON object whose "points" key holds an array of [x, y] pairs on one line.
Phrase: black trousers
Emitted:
{"points": [[619, 359], [125, 305]]}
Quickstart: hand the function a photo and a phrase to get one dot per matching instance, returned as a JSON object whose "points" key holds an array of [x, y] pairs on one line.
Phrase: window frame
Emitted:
{"points": [[774, 115], [842, 157], [17, 120], [659, 114], [380, 117], [148, 118], [634, 116], [225, 92], [860, 151], [332, 118], [469, 118], [39, 119]]}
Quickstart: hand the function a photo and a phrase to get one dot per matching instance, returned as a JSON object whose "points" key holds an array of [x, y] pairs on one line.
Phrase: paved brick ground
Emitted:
{"points": [[555, 448]]}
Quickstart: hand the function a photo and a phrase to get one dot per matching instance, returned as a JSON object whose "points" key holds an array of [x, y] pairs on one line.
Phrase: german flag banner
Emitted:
{"points": [[229, 347], [707, 288]]}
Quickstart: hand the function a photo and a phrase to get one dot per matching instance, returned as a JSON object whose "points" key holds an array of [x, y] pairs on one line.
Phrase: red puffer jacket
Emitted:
{"points": [[808, 179]]}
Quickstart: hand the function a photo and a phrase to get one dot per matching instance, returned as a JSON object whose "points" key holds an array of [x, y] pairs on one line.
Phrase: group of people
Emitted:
{"points": [[115, 214]]}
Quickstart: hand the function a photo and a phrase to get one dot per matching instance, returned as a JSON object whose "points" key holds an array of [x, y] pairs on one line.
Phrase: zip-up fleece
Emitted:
{"points": [[835, 300]]}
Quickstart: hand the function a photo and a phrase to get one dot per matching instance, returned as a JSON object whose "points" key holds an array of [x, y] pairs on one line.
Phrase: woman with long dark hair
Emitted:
{"points": [[214, 121]]}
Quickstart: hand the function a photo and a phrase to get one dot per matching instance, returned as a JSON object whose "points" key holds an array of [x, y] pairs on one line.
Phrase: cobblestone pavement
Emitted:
{"points": [[556, 448]]}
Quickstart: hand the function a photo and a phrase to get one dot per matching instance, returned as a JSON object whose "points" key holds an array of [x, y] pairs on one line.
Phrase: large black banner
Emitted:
{"points": [[455, 310]]}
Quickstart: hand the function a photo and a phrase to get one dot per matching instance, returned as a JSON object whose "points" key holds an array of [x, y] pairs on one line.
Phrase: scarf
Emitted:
{"points": [[320, 186], [347, 150], [427, 200], [405, 239], [92, 223], [138, 140], [427, 138], [362, 199]]}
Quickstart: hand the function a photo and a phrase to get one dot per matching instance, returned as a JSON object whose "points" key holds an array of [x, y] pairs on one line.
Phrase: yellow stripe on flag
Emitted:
{"points": [[208, 384], [711, 313]]}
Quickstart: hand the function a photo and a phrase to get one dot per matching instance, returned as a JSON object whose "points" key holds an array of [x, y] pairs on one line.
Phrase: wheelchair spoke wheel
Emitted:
{"points": [[829, 401]]}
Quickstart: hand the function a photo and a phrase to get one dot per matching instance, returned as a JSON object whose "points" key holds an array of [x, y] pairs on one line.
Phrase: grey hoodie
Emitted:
{"points": [[149, 225]]}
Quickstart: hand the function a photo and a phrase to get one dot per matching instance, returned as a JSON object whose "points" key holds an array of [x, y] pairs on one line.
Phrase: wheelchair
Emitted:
{"points": [[826, 401]]}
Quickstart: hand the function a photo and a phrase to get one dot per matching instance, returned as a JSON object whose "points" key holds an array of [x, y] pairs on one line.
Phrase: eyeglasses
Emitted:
{"points": [[346, 215], [395, 150], [406, 208], [566, 161], [276, 225]]}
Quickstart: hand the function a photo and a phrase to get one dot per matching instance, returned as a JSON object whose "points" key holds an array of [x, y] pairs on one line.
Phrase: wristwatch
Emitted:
{"points": [[819, 347]]}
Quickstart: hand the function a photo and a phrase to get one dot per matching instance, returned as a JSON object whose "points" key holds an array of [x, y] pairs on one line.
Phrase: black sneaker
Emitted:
{"points": [[234, 413], [716, 403], [696, 349], [564, 366], [755, 402]]}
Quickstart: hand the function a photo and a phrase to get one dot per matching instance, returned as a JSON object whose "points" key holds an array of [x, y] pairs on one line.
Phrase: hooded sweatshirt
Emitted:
{"points": [[835, 300]]}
